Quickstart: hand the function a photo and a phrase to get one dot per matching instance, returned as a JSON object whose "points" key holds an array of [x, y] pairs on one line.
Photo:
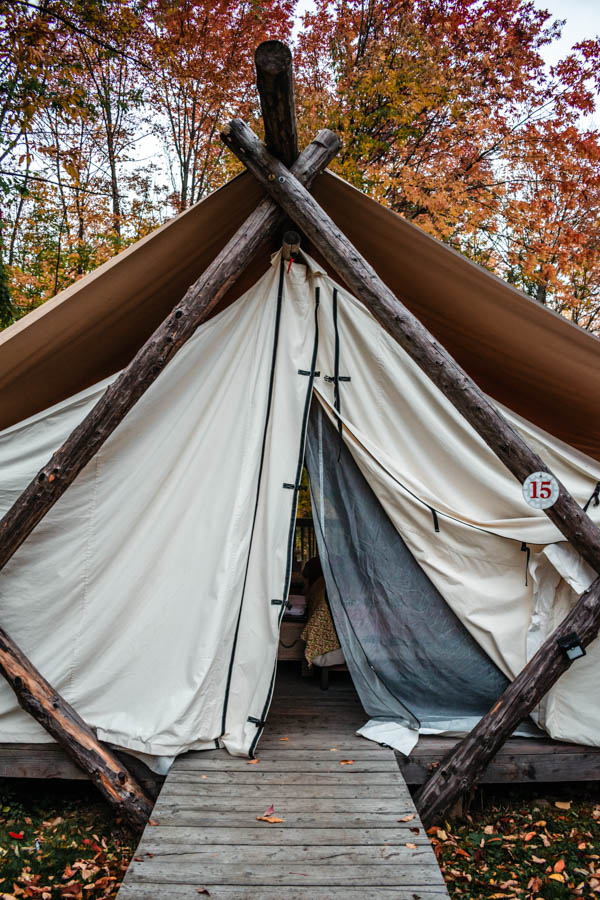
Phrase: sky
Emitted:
{"points": [[582, 21]]}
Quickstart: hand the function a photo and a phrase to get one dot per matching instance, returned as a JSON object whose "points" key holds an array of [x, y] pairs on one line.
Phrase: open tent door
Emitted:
{"points": [[413, 662]]}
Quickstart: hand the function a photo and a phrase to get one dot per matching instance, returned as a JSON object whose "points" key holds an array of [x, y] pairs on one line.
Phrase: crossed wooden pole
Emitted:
{"points": [[286, 178]]}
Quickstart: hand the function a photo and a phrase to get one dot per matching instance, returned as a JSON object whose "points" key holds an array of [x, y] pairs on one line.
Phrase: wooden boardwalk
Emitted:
{"points": [[340, 836]]}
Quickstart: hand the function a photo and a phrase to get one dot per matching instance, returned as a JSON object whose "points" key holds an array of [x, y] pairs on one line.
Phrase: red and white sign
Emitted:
{"points": [[540, 490]]}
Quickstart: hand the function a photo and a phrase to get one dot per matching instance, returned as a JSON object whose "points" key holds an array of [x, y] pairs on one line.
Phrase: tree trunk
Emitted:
{"points": [[39, 698]]}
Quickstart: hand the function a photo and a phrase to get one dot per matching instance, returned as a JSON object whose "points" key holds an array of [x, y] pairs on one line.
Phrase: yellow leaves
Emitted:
{"points": [[556, 876], [563, 804]]}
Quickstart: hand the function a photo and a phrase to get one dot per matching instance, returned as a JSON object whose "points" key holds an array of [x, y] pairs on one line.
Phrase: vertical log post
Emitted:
{"points": [[33, 692], [466, 762], [275, 82]]}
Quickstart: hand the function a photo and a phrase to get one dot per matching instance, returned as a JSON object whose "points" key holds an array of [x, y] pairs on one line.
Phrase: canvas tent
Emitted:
{"points": [[151, 594]]}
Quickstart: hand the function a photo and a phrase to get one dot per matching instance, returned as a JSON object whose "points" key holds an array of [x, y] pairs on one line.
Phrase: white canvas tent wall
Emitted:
{"points": [[145, 596]]}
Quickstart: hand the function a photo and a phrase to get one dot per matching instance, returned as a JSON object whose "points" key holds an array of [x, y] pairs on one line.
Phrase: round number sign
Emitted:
{"points": [[540, 490]]}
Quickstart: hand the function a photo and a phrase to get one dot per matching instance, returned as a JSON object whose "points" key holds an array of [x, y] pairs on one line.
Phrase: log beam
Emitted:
{"points": [[33, 692], [464, 765], [59, 718], [51, 482], [413, 337], [466, 762], [275, 82]]}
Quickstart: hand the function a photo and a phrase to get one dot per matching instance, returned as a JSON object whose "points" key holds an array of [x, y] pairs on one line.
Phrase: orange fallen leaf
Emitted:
{"points": [[204, 777], [559, 865], [462, 852], [253, 762], [152, 822], [284, 739], [530, 835], [346, 762], [408, 818], [563, 804], [271, 819], [411, 846]]}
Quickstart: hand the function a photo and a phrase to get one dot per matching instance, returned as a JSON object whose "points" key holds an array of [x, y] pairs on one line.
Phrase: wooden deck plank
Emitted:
{"points": [[340, 835]]}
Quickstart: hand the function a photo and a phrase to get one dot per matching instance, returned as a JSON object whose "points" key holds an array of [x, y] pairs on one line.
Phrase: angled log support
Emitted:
{"points": [[465, 763], [33, 692], [463, 767], [39, 698]]}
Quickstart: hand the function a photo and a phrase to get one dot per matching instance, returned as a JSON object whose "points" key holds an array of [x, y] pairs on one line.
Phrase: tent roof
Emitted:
{"points": [[522, 354]]}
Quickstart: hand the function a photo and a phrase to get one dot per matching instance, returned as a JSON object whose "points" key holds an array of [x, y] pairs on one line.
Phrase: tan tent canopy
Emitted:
{"points": [[522, 354]]}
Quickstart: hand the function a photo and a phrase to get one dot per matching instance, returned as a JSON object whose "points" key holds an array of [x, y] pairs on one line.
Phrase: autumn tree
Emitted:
{"points": [[202, 59], [450, 117]]}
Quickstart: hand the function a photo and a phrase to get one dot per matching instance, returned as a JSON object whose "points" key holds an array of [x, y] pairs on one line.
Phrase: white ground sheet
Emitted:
{"points": [[128, 595]]}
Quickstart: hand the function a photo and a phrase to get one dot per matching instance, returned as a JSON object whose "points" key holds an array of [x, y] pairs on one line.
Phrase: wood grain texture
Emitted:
{"points": [[60, 720], [340, 835]]}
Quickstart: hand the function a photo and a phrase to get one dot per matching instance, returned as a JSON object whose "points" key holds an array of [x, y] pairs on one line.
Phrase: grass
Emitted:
{"points": [[60, 840], [522, 847]]}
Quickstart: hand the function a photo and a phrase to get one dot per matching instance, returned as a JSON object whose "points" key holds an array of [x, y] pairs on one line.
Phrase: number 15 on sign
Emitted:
{"points": [[540, 490]]}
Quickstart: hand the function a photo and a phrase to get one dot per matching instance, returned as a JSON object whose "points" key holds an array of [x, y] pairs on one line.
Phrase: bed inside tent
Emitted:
{"points": [[152, 595]]}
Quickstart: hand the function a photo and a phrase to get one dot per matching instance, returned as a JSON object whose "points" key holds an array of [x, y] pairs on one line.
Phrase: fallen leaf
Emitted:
{"points": [[269, 811], [253, 762], [204, 777], [17, 835], [271, 819], [537, 859], [204, 891], [408, 818], [152, 822], [411, 846], [557, 877], [530, 835], [346, 762], [284, 739], [441, 834], [559, 865], [563, 804], [415, 830]]}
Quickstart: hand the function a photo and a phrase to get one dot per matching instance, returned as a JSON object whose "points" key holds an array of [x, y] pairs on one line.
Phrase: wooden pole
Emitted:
{"points": [[200, 299], [38, 697], [412, 336], [547, 666], [33, 692], [275, 82], [464, 765]]}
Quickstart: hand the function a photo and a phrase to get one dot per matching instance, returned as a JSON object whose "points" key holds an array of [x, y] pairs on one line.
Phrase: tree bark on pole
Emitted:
{"points": [[59, 718], [466, 761], [51, 482], [412, 336], [275, 82], [33, 692]]}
